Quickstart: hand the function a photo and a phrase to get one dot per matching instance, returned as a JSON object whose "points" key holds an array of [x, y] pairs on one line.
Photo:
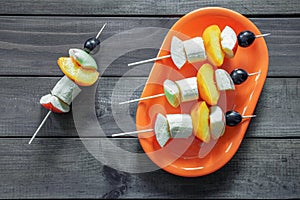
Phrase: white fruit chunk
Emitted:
{"points": [[188, 89], [194, 49], [180, 125], [224, 81], [66, 90], [177, 52], [229, 41], [171, 91], [217, 122], [84, 59], [161, 129], [58, 104]]}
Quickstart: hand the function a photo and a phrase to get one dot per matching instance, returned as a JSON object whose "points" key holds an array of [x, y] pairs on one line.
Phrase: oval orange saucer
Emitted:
{"points": [[191, 157]]}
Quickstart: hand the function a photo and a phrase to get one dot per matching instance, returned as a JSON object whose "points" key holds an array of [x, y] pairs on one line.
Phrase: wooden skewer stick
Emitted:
{"points": [[149, 60], [248, 116], [40, 126], [255, 73], [100, 31], [132, 132], [263, 35], [143, 98]]}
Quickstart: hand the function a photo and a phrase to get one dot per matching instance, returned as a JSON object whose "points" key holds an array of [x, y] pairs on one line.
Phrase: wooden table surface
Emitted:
{"points": [[33, 34]]}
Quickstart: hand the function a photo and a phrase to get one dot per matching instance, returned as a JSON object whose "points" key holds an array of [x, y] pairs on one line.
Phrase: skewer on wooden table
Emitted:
{"points": [[90, 43]]}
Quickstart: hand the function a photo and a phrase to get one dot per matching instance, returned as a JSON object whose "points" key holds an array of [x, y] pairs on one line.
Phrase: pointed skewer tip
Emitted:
{"points": [[248, 116], [40, 126], [100, 31], [263, 35]]}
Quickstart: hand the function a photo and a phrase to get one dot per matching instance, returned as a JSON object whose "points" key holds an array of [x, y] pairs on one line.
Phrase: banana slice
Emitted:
{"points": [[177, 52], [171, 91], [224, 81], [194, 49], [188, 89], [66, 90], [217, 122], [161, 129], [180, 125]]}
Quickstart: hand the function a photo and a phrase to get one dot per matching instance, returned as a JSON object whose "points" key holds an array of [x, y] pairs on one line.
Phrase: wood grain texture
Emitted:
{"points": [[63, 168], [33, 34], [31, 45], [277, 110], [138, 7]]}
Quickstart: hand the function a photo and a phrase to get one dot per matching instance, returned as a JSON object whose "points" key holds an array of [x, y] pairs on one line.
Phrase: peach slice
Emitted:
{"points": [[68, 67], [86, 77], [200, 121], [206, 84], [212, 43], [83, 77]]}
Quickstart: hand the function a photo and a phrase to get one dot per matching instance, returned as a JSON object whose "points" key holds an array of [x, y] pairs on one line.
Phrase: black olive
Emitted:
{"points": [[245, 38], [239, 76], [233, 118], [92, 45]]}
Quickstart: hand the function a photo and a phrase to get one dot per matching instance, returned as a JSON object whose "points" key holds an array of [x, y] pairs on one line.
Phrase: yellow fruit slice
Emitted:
{"points": [[212, 43], [82, 77], [86, 77], [68, 67], [206, 84], [200, 121]]}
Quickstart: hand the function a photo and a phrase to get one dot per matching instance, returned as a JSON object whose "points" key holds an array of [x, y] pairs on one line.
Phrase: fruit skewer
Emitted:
{"points": [[67, 88], [204, 122], [213, 46], [187, 90]]}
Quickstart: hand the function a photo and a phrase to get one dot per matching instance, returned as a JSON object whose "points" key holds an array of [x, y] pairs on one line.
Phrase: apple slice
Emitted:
{"points": [[229, 41], [200, 120], [161, 129], [217, 122], [212, 43], [83, 59], [206, 84], [171, 91], [177, 52], [224, 80], [54, 104]]}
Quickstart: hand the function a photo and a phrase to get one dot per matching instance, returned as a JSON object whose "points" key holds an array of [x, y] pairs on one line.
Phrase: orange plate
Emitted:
{"points": [[190, 157]]}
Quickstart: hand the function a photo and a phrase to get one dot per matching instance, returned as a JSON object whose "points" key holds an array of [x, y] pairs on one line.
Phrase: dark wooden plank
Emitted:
{"points": [[63, 168], [277, 111], [32, 45], [137, 7]]}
